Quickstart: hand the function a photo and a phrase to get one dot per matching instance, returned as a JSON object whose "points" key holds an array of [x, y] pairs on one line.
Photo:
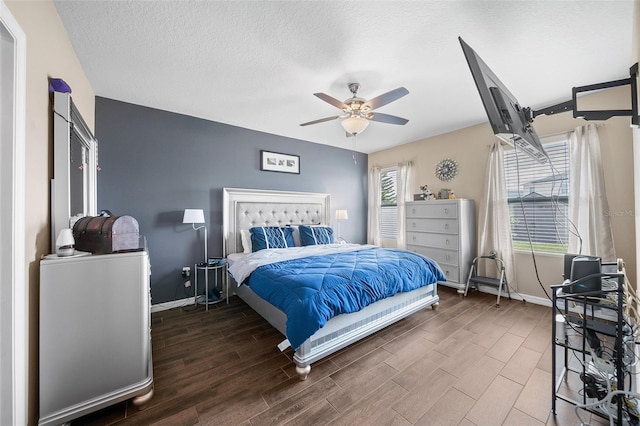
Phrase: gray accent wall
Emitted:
{"points": [[154, 164]]}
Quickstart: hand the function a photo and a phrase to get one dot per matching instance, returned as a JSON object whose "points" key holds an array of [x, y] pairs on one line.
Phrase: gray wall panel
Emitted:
{"points": [[154, 164]]}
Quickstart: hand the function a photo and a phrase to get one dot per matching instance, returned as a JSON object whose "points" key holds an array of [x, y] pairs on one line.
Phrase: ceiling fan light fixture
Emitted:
{"points": [[357, 111], [355, 124]]}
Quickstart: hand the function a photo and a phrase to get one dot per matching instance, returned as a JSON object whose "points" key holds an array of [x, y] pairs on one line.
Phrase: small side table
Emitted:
{"points": [[219, 267]]}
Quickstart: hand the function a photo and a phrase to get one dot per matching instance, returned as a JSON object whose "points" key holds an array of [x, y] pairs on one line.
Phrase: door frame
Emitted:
{"points": [[14, 322]]}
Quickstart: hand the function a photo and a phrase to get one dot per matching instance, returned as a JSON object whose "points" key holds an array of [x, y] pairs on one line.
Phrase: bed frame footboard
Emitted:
{"points": [[346, 329]]}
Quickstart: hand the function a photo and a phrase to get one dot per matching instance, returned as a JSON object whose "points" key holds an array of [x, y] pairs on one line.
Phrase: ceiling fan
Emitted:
{"points": [[358, 112]]}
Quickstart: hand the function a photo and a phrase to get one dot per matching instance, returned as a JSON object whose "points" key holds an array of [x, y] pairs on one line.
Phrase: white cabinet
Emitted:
{"points": [[95, 335], [444, 230]]}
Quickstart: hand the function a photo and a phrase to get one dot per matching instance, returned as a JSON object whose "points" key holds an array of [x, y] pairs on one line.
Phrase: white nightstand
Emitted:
{"points": [[218, 269]]}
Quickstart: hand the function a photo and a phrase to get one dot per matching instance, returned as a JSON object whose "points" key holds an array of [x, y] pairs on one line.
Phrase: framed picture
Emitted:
{"points": [[277, 162]]}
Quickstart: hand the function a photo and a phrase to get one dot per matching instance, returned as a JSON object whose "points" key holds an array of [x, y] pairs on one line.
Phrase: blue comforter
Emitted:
{"points": [[314, 289]]}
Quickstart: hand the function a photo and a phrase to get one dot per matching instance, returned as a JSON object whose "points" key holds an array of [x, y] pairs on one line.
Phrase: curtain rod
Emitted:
{"points": [[566, 132], [388, 166]]}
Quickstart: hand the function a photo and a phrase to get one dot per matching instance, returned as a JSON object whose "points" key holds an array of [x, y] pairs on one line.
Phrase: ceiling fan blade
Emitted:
{"points": [[333, 101], [386, 118], [322, 120], [385, 98]]}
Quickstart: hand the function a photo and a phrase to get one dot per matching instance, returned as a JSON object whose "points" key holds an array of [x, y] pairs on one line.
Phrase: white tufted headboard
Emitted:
{"points": [[244, 208]]}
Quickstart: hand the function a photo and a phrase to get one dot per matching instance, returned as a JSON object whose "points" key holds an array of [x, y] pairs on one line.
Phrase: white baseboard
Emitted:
{"points": [[172, 304], [516, 296], [491, 290]]}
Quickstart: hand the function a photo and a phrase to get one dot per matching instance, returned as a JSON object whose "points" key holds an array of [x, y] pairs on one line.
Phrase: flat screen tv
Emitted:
{"points": [[509, 121]]}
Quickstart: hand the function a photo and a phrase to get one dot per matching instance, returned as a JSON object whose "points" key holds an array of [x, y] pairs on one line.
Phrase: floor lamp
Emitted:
{"points": [[194, 216]]}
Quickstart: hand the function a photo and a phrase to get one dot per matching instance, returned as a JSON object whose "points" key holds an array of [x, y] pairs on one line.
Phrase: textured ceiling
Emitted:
{"points": [[257, 64]]}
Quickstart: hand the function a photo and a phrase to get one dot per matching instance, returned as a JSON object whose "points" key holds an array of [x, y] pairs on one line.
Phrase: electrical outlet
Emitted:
{"points": [[186, 271]]}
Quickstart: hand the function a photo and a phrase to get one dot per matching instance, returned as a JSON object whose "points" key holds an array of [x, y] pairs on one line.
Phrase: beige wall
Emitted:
{"points": [[49, 54], [470, 148], [635, 39]]}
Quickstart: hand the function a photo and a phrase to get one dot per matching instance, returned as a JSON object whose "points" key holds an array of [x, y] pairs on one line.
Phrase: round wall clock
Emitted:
{"points": [[446, 169]]}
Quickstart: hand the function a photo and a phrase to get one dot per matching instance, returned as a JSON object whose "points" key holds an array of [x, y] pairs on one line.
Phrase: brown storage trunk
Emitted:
{"points": [[106, 234]]}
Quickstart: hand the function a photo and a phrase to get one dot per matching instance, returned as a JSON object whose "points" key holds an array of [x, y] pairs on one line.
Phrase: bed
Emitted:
{"points": [[247, 208]]}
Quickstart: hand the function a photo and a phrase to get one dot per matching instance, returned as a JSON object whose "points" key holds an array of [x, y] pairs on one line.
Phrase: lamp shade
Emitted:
{"points": [[193, 216], [342, 215], [355, 124], [65, 243], [65, 238]]}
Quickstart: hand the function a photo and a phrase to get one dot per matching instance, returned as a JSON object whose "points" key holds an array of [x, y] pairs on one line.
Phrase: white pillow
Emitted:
{"points": [[245, 235]]}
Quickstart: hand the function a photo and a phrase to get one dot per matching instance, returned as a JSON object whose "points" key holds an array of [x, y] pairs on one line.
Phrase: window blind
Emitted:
{"points": [[538, 196], [388, 207]]}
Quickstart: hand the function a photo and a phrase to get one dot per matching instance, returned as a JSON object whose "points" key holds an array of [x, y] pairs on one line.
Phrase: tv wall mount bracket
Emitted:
{"points": [[571, 105]]}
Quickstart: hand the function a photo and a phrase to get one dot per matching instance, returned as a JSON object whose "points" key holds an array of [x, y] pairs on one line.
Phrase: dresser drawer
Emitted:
{"points": [[452, 273], [441, 256], [443, 226], [433, 210], [440, 241]]}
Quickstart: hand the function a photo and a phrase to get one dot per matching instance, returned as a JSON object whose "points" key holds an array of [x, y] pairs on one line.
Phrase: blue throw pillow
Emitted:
{"points": [[314, 235], [264, 237]]}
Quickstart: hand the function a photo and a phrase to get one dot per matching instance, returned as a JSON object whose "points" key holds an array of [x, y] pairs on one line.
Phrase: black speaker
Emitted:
{"points": [[568, 261], [583, 266]]}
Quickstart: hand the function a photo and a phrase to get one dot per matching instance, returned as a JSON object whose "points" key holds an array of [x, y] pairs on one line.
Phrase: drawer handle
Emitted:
{"points": [[414, 238], [446, 273], [446, 210], [446, 226], [446, 242], [413, 211], [413, 224], [448, 257]]}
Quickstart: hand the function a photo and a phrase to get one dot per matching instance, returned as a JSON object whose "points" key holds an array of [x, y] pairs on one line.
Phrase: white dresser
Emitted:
{"points": [[445, 231], [95, 334]]}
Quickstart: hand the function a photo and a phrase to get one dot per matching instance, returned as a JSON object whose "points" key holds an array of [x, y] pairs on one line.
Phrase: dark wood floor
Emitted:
{"points": [[466, 363]]}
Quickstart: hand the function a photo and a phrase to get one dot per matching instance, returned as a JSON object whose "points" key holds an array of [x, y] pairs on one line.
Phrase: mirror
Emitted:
{"points": [[75, 152]]}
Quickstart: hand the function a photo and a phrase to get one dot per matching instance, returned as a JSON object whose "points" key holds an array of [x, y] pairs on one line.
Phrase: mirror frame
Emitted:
{"points": [[69, 127]]}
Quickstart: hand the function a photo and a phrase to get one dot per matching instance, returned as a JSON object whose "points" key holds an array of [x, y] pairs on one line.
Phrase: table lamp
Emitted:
{"points": [[65, 243], [194, 216], [340, 216]]}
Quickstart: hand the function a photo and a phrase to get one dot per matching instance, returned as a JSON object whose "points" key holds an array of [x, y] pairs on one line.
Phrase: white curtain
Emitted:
{"points": [[588, 206], [373, 231], [494, 220], [403, 194]]}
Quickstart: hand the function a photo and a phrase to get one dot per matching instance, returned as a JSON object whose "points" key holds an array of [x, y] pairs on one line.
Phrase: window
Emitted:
{"points": [[538, 197], [388, 207]]}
